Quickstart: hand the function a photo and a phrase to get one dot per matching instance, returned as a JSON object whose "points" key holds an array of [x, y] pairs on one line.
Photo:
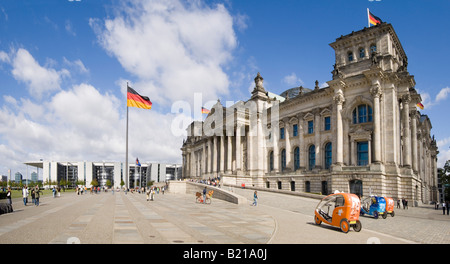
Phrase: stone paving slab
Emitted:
{"points": [[176, 219]]}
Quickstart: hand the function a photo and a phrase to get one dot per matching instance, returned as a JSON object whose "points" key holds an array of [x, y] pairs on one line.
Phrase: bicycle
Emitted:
{"points": [[199, 198]]}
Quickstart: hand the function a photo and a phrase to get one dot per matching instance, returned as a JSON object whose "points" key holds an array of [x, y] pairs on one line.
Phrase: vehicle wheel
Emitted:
{"points": [[208, 201], [317, 220], [375, 215], [393, 213], [197, 200], [384, 215], [344, 225], [357, 227]]}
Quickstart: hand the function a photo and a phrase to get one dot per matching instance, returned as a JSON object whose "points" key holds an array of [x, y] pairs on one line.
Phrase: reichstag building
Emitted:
{"points": [[363, 133]]}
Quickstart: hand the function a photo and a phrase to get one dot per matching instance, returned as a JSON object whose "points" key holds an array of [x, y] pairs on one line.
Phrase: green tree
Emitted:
{"points": [[444, 174], [108, 183], [94, 182]]}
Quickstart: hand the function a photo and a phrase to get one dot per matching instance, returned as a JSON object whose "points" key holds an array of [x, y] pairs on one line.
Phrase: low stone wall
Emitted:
{"points": [[186, 187], [302, 194]]}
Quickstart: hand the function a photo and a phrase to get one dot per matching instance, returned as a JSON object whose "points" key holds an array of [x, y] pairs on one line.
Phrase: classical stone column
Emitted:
{"points": [[276, 158], [287, 136], [209, 156], [339, 100], [376, 93], [204, 159], [222, 154], [414, 142], [229, 153], [406, 131], [238, 149], [214, 160]]}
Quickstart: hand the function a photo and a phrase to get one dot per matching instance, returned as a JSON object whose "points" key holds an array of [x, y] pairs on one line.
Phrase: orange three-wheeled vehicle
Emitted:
{"points": [[340, 210], [389, 206]]}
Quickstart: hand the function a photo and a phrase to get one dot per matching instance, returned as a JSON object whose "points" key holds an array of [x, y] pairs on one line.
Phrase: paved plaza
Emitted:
{"points": [[121, 218]]}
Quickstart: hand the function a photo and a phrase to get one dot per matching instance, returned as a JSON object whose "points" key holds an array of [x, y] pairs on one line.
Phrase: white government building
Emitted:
{"points": [[363, 133], [87, 171]]}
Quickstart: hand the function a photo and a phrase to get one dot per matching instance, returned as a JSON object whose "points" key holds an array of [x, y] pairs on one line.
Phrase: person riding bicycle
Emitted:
{"points": [[204, 195]]}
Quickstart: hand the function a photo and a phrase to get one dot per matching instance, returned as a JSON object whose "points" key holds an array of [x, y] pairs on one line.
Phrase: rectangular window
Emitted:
{"points": [[295, 130], [363, 153], [362, 114], [282, 133], [327, 123], [310, 127]]}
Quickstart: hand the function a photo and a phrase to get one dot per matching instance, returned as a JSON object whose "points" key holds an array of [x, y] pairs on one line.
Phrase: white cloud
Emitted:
{"points": [[292, 80], [40, 80], [443, 93], [82, 123], [69, 28], [76, 64], [4, 57], [174, 49]]}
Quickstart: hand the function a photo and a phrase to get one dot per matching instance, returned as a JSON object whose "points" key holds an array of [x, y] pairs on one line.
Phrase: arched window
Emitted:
{"points": [[312, 157], [296, 158], [350, 56], [373, 48], [307, 186], [362, 114], [271, 161], [328, 157], [362, 52], [283, 159]]}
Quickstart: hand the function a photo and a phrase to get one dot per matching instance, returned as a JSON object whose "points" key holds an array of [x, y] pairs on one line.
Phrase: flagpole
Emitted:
{"points": [[126, 152], [368, 19]]}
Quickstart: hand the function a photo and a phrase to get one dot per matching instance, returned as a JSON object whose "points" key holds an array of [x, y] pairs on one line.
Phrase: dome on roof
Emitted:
{"points": [[293, 92]]}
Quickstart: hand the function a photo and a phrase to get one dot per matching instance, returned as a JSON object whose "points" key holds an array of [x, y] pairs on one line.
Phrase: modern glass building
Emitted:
{"points": [[106, 173]]}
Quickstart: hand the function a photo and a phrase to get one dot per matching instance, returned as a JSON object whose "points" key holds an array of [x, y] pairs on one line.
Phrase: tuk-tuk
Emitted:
{"points": [[339, 210], [374, 206], [389, 206]]}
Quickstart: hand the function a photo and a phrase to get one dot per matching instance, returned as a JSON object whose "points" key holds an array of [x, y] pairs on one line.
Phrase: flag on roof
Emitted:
{"points": [[205, 111], [137, 162], [420, 105], [136, 100], [374, 20]]}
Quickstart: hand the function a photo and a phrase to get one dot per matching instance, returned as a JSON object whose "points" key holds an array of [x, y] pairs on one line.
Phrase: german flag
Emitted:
{"points": [[374, 20], [205, 111], [136, 100], [420, 105]]}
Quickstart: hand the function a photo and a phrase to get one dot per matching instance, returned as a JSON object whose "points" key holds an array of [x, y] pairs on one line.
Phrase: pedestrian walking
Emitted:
{"points": [[448, 206], [152, 194], [33, 196], [8, 196], [255, 198], [443, 207], [148, 194], [37, 193], [25, 195], [54, 192], [398, 203], [406, 204]]}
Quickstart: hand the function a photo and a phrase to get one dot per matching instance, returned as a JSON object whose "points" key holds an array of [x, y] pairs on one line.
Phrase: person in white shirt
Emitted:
{"points": [[25, 195]]}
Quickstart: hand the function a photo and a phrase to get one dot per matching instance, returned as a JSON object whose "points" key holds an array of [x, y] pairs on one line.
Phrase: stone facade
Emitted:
{"points": [[363, 133]]}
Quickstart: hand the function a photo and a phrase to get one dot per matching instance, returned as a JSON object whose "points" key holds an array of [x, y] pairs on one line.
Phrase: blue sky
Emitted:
{"points": [[64, 66]]}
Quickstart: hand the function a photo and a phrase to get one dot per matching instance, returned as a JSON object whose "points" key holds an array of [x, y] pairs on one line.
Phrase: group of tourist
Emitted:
{"points": [[404, 202], [445, 207], [35, 195], [210, 181]]}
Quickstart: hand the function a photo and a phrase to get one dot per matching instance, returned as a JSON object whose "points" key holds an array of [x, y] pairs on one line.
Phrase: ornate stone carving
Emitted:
{"points": [[406, 98], [375, 90], [259, 82], [339, 97]]}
